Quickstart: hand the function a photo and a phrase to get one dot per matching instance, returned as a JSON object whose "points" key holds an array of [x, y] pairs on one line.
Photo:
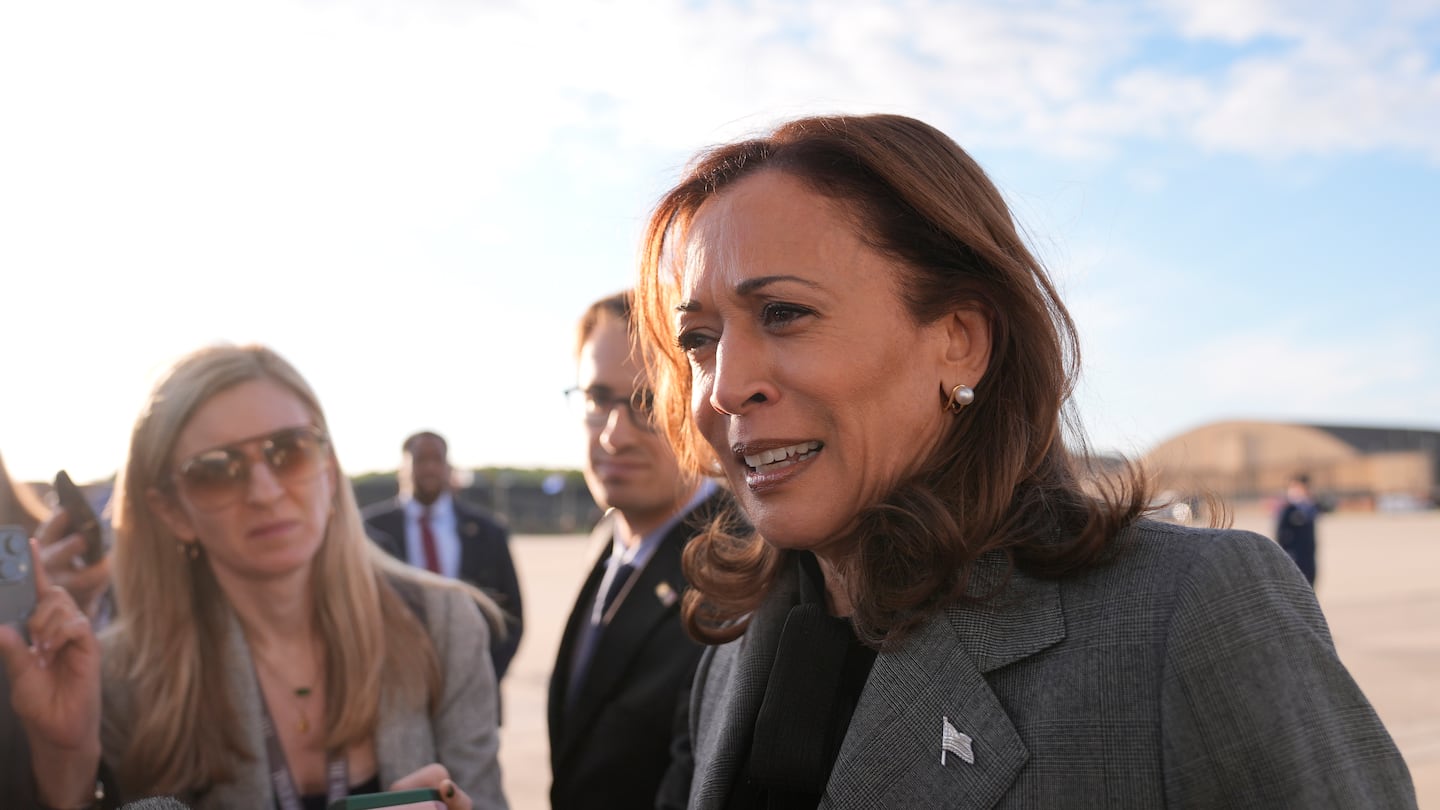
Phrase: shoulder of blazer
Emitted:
{"points": [[381, 509], [483, 520]]}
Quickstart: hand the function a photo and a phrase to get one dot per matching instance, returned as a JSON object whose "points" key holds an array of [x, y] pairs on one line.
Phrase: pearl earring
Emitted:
{"points": [[960, 396]]}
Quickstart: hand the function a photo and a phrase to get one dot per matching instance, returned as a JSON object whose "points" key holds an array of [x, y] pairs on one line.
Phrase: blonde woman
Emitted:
{"points": [[266, 653]]}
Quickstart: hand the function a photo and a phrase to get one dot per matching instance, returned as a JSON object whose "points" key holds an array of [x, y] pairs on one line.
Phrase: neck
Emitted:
{"points": [[632, 525], [837, 596], [276, 615]]}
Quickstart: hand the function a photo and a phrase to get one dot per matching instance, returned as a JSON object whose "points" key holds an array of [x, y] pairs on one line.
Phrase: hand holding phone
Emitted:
{"points": [[54, 677], [82, 517]]}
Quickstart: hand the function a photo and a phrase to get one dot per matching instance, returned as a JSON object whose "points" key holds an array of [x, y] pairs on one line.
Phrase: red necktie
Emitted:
{"points": [[427, 542]]}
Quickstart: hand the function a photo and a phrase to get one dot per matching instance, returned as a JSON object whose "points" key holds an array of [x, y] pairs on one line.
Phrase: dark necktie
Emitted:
{"points": [[427, 542], [590, 638], [622, 576]]}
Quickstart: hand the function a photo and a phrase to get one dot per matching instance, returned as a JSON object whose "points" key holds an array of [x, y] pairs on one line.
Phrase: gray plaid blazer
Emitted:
{"points": [[461, 734], [1194, 670]]}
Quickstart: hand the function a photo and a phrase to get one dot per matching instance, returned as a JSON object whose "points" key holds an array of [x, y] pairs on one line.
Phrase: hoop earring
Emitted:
{"points": [[960, 396]]}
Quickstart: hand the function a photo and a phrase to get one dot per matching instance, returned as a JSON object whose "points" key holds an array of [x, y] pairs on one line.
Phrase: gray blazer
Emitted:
{"points": [[461, 735], [1194, 670]]}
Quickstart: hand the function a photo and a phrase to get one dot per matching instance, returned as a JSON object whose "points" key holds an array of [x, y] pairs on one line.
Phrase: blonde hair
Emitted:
{"points": [[169, 639]]}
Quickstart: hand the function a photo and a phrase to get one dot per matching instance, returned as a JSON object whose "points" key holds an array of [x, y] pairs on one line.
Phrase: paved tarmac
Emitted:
{"points": [[1379, 584]]}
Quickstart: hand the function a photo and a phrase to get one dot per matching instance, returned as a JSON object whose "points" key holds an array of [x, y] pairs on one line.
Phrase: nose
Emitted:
{"points": [[263, 486], [740, 379], [619, 430]]}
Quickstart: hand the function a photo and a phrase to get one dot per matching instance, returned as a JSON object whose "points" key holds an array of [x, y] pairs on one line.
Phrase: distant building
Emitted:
{"points": [[1357, 467]]}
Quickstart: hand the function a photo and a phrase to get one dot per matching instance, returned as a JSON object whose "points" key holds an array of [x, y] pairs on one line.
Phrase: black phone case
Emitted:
{"points": [[397, 798], [82, 517], [17, 578]]}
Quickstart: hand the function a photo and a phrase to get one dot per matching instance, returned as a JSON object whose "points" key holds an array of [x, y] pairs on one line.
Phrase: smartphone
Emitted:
{"points": [[82, 516], [394, 798], [17, 578]]}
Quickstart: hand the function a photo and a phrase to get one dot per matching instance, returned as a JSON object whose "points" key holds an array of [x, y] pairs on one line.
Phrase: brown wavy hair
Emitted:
{"points": [[1001, 479]]}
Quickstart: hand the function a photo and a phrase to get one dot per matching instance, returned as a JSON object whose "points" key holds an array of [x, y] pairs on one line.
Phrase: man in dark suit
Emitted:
{"points": [[625, 664], [1295, 528], [428, 527]]}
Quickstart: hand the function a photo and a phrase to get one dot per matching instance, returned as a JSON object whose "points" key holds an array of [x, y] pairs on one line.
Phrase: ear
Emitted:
{"points": [[967, 347], [168, 512]]}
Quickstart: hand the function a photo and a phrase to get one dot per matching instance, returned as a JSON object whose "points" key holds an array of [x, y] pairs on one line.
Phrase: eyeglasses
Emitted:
{"points": [[218, 478], [598, 402]]}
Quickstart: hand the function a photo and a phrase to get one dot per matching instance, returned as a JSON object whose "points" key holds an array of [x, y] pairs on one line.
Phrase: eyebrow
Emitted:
{"points": [[749, 287]]}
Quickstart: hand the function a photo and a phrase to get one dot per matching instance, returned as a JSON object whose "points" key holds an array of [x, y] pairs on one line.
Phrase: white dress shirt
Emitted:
{"points": [[445, 528]]}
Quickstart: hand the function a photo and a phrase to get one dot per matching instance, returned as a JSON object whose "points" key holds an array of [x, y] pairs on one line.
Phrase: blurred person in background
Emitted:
{"points": [[265, 653], [623, 670], [428, 527], [1295, 527], [937, 607]]}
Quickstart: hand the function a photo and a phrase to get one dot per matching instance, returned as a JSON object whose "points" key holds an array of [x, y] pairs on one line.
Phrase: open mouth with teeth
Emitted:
{"points": [[781, 457]]}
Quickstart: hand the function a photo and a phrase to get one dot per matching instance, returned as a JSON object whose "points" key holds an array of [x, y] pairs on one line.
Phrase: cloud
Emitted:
{"points": [[479, 80], [1138, 393], [186, 166]]}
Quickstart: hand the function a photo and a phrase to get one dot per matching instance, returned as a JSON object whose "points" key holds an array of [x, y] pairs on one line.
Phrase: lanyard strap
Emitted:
{"points": [[337, 776]]}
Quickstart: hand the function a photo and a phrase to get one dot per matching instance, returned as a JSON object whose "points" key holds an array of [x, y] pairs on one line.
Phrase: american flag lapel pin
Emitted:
{"points": [[954, 741]]}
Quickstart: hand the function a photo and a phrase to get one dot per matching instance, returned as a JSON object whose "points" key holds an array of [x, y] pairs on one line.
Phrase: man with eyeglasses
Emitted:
{"points": [[428, 527], [618, 691]]}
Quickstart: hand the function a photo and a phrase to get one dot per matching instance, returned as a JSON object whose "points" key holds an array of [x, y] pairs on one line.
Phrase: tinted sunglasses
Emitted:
{"points": [[220, 477]]}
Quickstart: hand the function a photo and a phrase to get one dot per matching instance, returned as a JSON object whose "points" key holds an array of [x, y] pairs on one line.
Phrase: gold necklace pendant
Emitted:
{"points": [[302, 693]]}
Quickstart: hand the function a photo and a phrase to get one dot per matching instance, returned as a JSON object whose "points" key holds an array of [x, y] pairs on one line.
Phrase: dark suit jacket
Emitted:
{"points": [[611, 748], [484, 562], [1195, 670], [1295, 532]]}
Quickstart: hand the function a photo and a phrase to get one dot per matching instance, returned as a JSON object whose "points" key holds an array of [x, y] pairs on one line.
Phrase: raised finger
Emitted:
{"points": [[61, 553], [89, 578], [53, 528], [51, 602], [56, 623], [42, 577]]}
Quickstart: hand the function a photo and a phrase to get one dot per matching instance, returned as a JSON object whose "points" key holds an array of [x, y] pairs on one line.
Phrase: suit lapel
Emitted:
{"points": [[467, 530], [391, 524], [250, 786], [891, 754], [734, 688], [653, 599]]}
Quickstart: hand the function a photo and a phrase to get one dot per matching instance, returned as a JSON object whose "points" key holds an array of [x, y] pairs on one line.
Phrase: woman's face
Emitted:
{"points": [[811, 381], [275, 522]]}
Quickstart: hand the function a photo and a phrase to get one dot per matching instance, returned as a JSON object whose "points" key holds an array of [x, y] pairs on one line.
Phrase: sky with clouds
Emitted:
{"points": [[414, 200]]}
